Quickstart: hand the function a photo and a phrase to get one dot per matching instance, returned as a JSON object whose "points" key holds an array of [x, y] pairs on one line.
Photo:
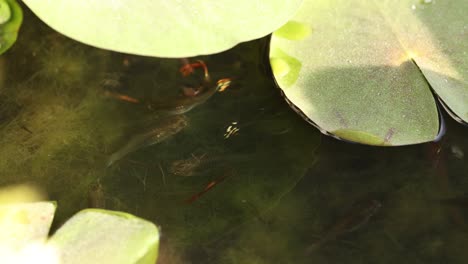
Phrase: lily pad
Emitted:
{"points": [[90, 236], [24, 228], [164, 28], [11, 17], [101, 236], [24, 223], [365, 71]]}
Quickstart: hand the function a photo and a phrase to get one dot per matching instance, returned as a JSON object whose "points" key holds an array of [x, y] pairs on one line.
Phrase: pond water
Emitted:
{"points": [[236, 176]]}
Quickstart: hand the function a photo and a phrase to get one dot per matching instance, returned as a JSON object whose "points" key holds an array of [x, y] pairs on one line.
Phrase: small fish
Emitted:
{"points": [[354, 219], [191, 91], [184, 103], [122, 97], [206, 189], [192, 97], [165, 128]]}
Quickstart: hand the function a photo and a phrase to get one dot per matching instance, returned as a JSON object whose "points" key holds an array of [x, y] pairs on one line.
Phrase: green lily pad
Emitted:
{"points": [[365, 71], [23, 224], [101, 236], [11, 17], [164, 28], [90, 236]]}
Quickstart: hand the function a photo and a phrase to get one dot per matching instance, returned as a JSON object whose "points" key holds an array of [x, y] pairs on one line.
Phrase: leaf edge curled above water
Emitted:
{"points": [[170, 29]]}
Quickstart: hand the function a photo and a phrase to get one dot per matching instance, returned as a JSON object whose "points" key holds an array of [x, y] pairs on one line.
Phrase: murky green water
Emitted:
{"points": [[277, 186]]}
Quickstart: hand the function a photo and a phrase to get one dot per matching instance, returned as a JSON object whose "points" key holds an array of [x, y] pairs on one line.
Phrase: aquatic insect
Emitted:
{"points": [[354, 219], [96, 196], [187, 167], [223, 84], [164, 129]]}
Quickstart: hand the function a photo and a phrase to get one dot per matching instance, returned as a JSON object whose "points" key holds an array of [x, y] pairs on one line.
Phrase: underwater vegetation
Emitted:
{"points": [[356, 217]]}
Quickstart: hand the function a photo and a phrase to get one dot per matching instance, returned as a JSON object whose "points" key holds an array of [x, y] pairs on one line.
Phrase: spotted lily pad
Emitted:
{"points": [[363, 70], [11, 17], [164, 28]]}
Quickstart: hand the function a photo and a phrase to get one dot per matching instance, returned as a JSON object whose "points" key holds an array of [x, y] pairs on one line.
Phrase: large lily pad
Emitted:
{"points": [[363, 70], [164, 28], [11, 17]]}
